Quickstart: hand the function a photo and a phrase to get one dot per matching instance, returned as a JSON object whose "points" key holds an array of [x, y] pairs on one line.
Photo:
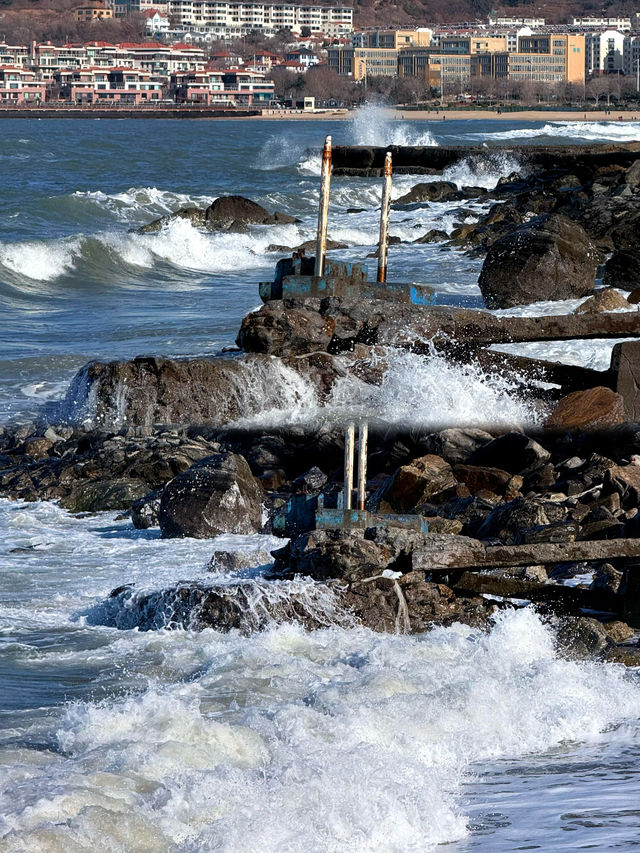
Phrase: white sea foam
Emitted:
{"points": [[605, 131], [415, 389], [40, 260], [373, 124], [328, 741], [141, 202]]}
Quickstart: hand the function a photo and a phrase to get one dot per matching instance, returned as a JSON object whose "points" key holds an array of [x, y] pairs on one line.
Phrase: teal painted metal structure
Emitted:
{"points": [[308, 512], [294, 278]]}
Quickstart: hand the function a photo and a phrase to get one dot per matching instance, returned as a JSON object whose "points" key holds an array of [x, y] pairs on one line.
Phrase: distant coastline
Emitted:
{"points": [[204, 113]]}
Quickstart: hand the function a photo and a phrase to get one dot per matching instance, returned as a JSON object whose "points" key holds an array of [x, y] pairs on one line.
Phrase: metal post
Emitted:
{"points": [[363, 436], [349, 448], [384, 220], [323, 208]]}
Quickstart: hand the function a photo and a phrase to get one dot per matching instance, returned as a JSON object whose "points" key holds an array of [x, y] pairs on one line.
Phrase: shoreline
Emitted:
{"points": [[389, 113]]}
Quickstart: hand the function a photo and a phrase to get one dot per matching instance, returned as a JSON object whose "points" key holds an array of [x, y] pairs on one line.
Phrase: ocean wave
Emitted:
{"points": [[600, 131], [373, 124], [317, 741], [139, 202], [177, 243], [424, 390]]}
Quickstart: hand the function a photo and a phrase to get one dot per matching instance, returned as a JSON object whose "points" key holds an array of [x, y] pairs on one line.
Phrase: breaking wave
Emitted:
{"points": [[373, 124], [580, 131], [317, 741], [424, 390]]}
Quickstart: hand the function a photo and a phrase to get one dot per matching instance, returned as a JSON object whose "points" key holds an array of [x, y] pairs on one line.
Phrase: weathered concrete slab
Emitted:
{"points": [[368, 161], [472, 554], [625, 366]]}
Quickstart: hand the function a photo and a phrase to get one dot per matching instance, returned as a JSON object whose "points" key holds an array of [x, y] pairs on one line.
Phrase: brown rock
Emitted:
{"points": [[607, 299], [625, 480], [619, 631], [625, 364], [38, 448], [479, 478], [596, 408], [634, 296], [428, 479]]}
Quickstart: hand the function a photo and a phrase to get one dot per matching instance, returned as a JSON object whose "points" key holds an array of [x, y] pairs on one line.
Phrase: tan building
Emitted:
{"points": [[552, 58], [392, 39], [363, 62], [93, 13]]}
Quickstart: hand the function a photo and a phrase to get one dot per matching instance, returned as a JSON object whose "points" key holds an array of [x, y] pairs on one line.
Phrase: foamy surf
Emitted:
{"points": [[334, 740], [579, 131]]}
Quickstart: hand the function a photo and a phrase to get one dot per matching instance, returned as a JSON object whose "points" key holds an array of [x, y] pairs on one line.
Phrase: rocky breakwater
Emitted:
{"points": [[511, 517]]}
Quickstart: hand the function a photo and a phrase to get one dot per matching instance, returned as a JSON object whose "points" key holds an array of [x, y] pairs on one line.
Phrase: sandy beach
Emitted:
{"points": [[475, 115]]}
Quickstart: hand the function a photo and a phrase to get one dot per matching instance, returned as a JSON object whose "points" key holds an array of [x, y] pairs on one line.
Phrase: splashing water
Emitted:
{"points": [[373, 124]]}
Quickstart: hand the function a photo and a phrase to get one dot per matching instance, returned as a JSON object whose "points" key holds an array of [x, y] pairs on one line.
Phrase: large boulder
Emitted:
{"points": [[431, 191], [549, 257], [623, 269], [232, 212], [428, 479], [595, 408], [514, 452], [217, 495]]}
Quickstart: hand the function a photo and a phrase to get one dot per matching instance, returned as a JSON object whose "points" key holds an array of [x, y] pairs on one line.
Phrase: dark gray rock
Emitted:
{"points": [[144, 510], [549, 257], [217, 495]]}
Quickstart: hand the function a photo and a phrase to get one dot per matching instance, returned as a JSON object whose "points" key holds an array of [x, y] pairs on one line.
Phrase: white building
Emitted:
{"points": [[604, 52], [592, 23], [224, 19], [516, 22], [631, 54]]}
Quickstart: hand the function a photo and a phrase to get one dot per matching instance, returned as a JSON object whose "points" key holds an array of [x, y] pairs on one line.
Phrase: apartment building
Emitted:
{"points": [[534, 23], [363, 62], [228, 19], [589, 22], [214, 87], [101, 86], [604, 52], [20, 86], [392, 39], [93, 12]]}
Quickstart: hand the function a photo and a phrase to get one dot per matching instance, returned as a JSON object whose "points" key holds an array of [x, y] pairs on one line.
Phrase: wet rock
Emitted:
{"points": [[428, 479], [596, 408], [277, 330], [311, 482], [478, 478], [408, 604], [229, 212], [634, 297], [618, 632], [625, 481], [547, 258], [307, 246], [102, 495], [623, 270], [513, 452], [144, 510], [217, 495], [456, 444], [581, 638], [428, 192], [508, 521], [607, 299], [607, 577], [195, 215], [238, 561], [433, 236], [632, 175], [470, 512]]}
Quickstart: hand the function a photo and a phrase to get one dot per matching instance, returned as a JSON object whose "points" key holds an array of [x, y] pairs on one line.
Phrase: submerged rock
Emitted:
{"points": [[549, 257], [227, 213]]}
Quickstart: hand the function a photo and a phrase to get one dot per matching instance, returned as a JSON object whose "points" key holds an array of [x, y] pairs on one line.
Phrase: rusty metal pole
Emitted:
{"points": [[349, 449], [363, 437], [385, 209], [323, 207]]}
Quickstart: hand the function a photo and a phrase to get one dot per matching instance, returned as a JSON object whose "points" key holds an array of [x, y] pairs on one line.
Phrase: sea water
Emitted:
{"points": [[281, 739]]}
